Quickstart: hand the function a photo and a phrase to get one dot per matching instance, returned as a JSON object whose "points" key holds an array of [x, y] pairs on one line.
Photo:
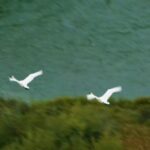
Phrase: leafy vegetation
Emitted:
{"points": [[75, 124]]}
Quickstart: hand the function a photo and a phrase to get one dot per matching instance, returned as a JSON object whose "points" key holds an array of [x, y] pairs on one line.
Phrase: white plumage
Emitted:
{"points": [[105, 97], [24, 83]]}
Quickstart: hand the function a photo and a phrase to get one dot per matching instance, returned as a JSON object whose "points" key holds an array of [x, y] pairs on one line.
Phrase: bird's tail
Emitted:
{"points": [[12, 78], [91, 96]]}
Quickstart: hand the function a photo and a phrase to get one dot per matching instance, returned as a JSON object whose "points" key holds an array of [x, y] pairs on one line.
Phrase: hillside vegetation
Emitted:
{"points": [[73, 123]]}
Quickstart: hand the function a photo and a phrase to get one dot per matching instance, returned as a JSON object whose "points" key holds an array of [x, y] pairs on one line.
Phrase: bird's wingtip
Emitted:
{"points": [[120, 88], [41, 71]]}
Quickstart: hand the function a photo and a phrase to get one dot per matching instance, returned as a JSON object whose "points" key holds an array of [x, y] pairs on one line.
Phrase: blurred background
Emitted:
{"points": [[81, 45]]}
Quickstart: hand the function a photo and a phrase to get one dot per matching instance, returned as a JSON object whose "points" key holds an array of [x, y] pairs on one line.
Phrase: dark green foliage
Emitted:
{"points": [[73, 123]]}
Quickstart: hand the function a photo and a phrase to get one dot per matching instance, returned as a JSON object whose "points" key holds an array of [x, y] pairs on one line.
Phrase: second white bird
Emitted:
{"points": [[105, 97]]}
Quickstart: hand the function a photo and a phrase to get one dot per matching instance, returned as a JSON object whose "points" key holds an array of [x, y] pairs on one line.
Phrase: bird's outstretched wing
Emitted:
{"points": [[109, 92], [30, 77]]}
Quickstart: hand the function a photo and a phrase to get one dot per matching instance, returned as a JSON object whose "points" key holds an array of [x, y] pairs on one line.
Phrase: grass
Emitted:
{"points": [[73, 123]]}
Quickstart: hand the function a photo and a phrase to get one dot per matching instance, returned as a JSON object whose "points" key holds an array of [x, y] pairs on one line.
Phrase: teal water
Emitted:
{"points": [[81, 45]]}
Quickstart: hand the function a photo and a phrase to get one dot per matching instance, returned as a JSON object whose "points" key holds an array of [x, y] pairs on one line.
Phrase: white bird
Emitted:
{"points": [[24, 83], [105, 97]]}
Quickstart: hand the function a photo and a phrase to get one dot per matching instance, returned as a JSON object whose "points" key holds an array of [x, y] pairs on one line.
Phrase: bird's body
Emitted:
{"points": [[105, 97], [24, 83]]}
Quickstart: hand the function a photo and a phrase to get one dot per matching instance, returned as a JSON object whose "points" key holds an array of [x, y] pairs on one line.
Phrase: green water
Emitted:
{"points": [[81, 45]]}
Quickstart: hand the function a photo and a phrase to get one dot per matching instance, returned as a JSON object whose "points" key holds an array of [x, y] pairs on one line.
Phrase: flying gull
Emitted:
{"points": [[24, 83], [105, 97]]}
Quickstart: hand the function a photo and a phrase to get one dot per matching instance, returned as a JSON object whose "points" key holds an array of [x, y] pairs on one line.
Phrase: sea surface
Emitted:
{"points": [[81, 45]]}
